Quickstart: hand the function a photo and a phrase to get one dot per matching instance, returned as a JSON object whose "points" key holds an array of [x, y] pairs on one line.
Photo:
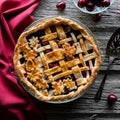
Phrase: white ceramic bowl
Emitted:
{"points": [[95, 11]]}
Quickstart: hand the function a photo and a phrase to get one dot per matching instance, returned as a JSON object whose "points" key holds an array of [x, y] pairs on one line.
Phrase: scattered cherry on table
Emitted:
{"points": [[97, 17], [112, 98], [61, 5]]}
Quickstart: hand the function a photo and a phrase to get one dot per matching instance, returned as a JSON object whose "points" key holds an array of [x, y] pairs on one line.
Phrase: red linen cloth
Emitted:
{"points": [[15, 103]]}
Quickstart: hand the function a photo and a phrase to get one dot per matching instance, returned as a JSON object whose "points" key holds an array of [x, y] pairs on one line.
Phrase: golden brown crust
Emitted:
{"points": [[50, 57]]}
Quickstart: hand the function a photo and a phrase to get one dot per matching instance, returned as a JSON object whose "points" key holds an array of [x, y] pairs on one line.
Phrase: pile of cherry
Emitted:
{"points": [[90, 4]]}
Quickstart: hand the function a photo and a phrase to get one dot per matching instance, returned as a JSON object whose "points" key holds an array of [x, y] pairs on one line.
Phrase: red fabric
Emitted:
{"points": [[15, 103]]}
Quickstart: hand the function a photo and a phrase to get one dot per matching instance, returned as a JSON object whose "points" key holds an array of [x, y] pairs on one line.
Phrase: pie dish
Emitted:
{"points": [[56, 59]]}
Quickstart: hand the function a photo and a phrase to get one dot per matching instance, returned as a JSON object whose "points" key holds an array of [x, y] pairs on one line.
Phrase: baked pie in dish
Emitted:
{"points": [[56, 59]]}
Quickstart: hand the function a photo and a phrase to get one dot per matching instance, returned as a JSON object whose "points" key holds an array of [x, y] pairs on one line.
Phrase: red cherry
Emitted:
{"points": [[71, 43], [61, 5], [47, 51], [97, 17], [44, 43], [82, 3], [90, 6], [112, 98], [57, 41], [46, 77], [53, 65], [105, 3]]}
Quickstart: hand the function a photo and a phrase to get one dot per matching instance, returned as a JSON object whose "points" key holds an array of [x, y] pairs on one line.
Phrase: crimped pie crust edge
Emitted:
{"points": [[41, 25]]}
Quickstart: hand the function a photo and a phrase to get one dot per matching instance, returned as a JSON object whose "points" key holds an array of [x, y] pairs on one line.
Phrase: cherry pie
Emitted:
{"points": [[56, 59]]}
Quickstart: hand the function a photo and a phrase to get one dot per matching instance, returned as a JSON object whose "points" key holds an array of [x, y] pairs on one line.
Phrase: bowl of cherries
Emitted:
{"points": [[92, 6]]}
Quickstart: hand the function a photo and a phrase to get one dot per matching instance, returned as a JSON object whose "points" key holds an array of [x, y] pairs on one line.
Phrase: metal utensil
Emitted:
{"points": [[113, 52]]}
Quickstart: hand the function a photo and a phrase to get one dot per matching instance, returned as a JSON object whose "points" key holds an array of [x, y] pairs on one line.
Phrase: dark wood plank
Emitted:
{"points": [[85, 108]]}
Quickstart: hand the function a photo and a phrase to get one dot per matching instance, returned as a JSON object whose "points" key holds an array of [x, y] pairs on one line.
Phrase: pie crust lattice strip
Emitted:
{"points": [[56, 59]]}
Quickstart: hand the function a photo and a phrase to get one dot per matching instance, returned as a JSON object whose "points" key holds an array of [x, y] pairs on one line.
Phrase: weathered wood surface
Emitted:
{"points": [[85, 108]]}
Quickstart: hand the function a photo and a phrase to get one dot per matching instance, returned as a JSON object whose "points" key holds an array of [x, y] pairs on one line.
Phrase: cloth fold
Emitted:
{"points": [[15, 103]]}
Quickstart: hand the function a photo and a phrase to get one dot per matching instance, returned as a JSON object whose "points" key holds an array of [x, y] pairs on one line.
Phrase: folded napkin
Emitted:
{"points": [[15, 103]]}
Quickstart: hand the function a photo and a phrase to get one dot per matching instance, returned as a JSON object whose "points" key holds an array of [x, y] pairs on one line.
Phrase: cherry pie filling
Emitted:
{"points": [[57, 60]]}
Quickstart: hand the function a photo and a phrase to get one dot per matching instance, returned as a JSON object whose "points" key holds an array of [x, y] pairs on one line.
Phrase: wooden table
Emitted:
{"points": [[85, 108]]}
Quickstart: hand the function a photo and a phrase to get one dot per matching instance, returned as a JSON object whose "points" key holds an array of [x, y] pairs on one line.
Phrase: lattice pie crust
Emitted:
{"points": [[56, 59]]}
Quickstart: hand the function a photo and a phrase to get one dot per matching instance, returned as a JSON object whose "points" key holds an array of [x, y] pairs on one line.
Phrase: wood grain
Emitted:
{"points": [[85, 108]]}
